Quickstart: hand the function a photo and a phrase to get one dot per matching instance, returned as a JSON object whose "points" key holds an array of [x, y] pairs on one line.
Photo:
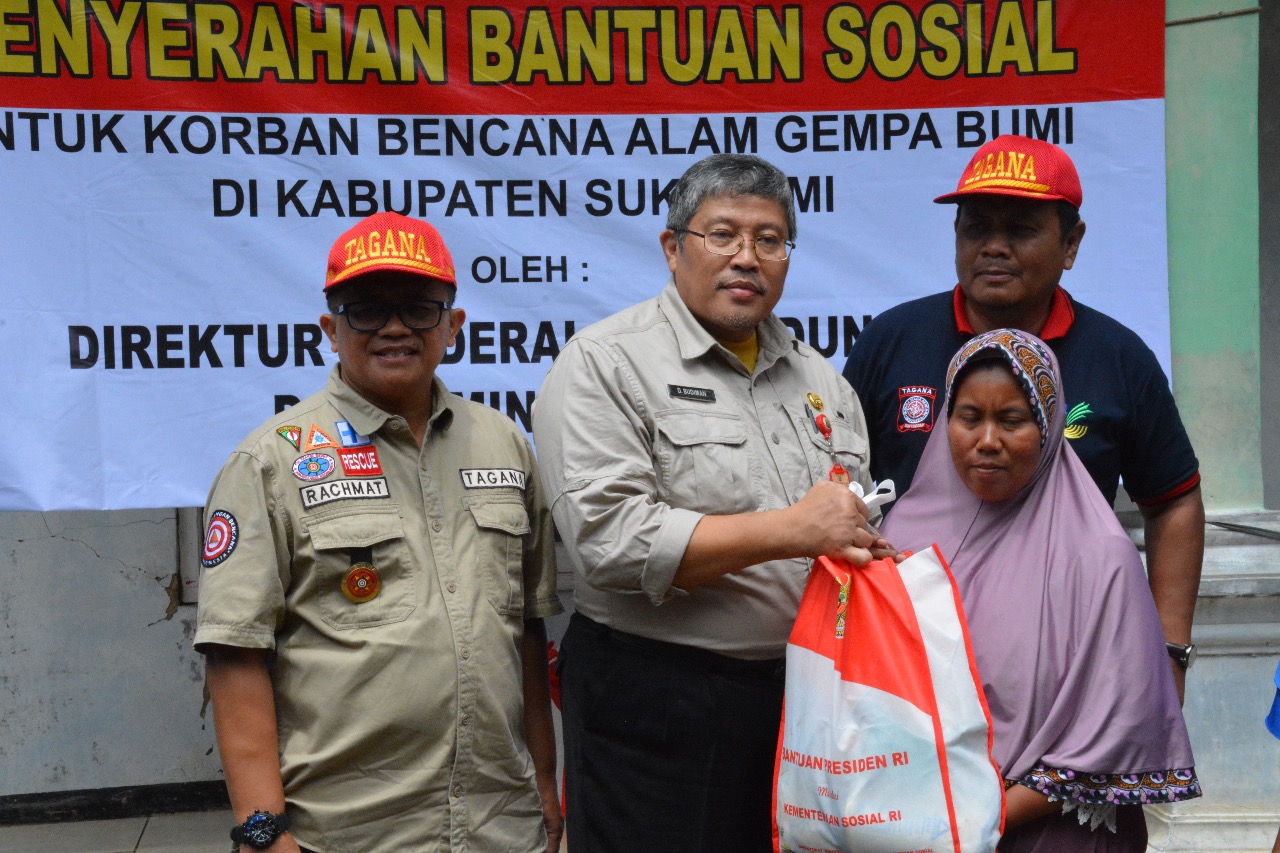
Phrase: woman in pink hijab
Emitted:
{"points": [[1087, 724]]}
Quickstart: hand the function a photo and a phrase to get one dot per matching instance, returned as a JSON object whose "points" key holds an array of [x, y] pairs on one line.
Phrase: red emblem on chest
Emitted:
{"points": [[360, 461], [916, 408]]}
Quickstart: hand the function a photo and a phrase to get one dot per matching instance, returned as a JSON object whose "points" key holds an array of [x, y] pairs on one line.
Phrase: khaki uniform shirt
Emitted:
{"points": [[400, 717], [643, 425]]}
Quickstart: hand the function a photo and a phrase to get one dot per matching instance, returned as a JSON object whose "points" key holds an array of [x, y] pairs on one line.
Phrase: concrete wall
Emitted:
{"points": [[1214, 79], [1211, 127], [99, 687]]}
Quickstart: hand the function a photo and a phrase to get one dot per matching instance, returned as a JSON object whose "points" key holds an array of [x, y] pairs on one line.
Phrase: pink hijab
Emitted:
{"points": [[1063, 626]]}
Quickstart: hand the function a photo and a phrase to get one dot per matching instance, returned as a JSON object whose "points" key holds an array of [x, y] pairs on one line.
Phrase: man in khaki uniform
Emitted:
{"points": [[377, 565], [688, 446]]}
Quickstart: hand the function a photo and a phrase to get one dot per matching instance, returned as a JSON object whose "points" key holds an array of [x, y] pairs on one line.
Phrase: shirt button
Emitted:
{"points": [[775, 438], [466, 654], [457, 790], [435, 525], [452, 587], [466, 719]]}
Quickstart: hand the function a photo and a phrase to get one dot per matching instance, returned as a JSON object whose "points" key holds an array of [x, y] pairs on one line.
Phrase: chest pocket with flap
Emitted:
{"points": [[703, 461], [334, 535], [501, 524]]}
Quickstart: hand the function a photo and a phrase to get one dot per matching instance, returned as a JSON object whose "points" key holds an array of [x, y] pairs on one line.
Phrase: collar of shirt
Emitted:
{"points": [[366, 418], [1061, 315], [776, 340]]}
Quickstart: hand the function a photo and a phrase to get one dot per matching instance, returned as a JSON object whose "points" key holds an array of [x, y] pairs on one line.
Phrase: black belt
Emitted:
{"points": [[774, 668]]}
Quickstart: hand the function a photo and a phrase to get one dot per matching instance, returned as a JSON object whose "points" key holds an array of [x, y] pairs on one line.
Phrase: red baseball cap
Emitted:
{"points": [[389, 241], [1020, 166]]}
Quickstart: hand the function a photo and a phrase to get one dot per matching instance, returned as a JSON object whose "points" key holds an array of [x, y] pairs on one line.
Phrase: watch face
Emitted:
{"points": [[260, 831]]}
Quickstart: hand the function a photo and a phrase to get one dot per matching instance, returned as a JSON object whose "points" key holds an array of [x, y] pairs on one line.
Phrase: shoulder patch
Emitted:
{"points": [[492, 478], [220, 538]]}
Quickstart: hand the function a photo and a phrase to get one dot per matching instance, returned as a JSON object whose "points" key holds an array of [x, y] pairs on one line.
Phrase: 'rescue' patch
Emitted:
{"points": [[916, 404], [323, 493], [492, 478], [219, 539], [359, 461], [313, 466], [316, 439]]}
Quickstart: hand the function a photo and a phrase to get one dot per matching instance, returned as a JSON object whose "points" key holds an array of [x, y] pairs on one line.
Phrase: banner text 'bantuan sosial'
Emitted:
{"points": [[521, 51]]}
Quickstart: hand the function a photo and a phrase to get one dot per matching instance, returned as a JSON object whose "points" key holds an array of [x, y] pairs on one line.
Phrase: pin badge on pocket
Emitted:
{"points": [[362, 583]]}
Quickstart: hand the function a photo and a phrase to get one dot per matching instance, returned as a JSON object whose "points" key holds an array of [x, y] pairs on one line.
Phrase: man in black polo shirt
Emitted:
{"points": [[1017, 229]]}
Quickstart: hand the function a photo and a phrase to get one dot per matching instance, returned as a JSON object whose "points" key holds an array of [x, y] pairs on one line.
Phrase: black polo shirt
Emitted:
{"points": [[1121, 418]]}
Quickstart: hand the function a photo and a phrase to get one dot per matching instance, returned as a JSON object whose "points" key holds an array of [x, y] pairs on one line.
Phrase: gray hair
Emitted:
{"points": [[728, 175]]}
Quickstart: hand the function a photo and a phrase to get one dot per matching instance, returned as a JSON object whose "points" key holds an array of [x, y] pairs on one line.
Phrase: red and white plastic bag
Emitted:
{"points": [[886, 738]]}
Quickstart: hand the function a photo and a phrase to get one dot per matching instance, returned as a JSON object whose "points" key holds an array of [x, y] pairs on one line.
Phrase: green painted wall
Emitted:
{"points": [[1211, 127]]}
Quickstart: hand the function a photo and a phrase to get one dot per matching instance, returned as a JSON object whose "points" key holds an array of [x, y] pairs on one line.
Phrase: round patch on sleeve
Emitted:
{"points": [[220, 539]]}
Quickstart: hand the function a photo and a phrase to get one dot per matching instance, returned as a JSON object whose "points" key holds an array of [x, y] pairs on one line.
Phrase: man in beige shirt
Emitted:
{"points": [[376, 569], [687, 445]]}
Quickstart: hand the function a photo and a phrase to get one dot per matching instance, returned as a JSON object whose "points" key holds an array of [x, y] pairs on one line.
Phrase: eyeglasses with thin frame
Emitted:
{"points": [[420, 316], [721, 241]]}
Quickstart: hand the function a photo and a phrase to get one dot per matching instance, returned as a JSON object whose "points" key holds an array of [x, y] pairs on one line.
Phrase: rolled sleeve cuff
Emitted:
{"points": [[233, 635], [666, 553]]}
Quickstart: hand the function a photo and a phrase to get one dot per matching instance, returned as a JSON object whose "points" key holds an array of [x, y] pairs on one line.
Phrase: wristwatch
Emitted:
{"points": [[1183, 655], [260, 830]]}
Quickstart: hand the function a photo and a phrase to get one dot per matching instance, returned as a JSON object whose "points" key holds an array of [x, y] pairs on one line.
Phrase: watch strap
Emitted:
{"points": [[279, 826], [1183, 655]]}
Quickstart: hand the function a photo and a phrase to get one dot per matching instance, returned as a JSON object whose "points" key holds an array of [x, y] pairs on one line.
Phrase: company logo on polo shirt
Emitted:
{"points": [[1074, 428], [323, 493], [492, 478], [916, 408]]}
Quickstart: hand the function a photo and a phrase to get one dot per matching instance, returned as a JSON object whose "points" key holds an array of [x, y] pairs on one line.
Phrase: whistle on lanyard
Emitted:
{"points": [[822, 424]]}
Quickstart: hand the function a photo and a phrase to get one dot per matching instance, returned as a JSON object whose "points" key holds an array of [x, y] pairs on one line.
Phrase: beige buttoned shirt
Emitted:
{"points": [[401, 715], [645, 424]]}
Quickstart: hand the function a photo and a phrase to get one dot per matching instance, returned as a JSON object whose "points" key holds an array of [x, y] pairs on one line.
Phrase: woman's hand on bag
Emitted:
{"points": [[833, 523]]}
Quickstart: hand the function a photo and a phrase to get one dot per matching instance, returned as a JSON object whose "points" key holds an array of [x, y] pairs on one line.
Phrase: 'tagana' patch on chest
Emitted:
{"points": [[492, 478]]}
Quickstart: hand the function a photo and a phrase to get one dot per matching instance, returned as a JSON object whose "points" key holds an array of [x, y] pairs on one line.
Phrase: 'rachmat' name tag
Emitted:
{"points": [[323, 493]]}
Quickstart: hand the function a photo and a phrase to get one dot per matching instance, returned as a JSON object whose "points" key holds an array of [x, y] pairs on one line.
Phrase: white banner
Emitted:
{"points": [[164, 265]]}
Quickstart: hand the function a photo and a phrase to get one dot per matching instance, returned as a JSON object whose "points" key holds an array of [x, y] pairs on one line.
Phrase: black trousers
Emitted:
{"points": [[668, 749]]}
